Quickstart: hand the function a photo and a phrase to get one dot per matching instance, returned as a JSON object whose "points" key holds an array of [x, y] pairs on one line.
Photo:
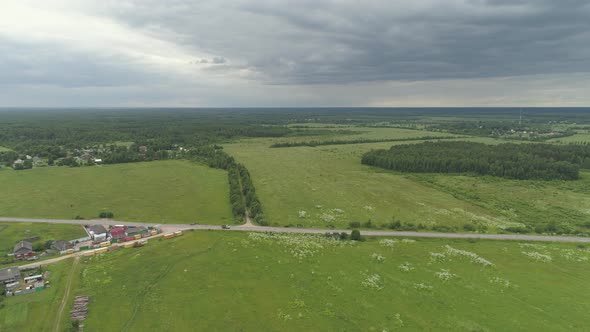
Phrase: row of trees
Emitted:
{"points": [[514, 161], [242, 193], [356, 141]]}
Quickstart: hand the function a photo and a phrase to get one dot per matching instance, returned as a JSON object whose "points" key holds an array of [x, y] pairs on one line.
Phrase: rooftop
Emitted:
{"points": [[97, 229], [23, 244], [9, 273]]}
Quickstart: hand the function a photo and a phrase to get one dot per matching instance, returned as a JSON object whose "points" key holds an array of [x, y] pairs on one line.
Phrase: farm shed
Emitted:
{"points": [[139, 230], [9, 275], [23, 249], [97, 232]]}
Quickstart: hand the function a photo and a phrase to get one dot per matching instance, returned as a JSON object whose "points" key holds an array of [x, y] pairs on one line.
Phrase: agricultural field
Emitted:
{"points": [[2, 149], [38, 311], [322, 132], [582, 136], [161, 191], [209, 281], [326, 186], [11, 233]]}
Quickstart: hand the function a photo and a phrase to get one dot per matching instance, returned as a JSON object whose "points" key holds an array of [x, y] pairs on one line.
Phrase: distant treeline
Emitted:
{"points": [[242, 194], [513, 161], [358, 141]]}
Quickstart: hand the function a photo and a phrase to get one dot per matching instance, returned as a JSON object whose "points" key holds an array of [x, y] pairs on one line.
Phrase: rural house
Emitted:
{"points": [[97, 232], [10, 274], [17, 162], [23, 249], [117, 233], [62, 245]]}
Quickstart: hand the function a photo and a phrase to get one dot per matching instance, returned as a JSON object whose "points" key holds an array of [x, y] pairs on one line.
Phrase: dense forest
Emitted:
{"points": [[513, 161]]}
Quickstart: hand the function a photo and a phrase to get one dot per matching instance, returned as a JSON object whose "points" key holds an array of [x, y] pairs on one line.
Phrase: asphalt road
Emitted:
{"points": [[254, 228]]}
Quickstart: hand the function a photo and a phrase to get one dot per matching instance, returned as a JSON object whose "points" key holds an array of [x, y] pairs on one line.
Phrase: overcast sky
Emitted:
{"points": [[215, 53]]}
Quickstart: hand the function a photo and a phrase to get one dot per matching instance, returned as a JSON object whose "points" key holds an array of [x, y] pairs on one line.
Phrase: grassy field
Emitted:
{"points": [[214, 281], [327, 186], [163, 191], [2, 149], [38, 311], [527, 202], [579, 137], [353, 133], [11, 233]]}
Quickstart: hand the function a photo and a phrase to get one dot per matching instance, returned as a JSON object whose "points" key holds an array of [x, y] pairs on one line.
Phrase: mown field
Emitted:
{"points": [[214, 281], [163, 191], [2, 149], [326, 186]]}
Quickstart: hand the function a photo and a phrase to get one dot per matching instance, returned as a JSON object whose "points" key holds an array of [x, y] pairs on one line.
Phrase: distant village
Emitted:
{"points": [[91, 156]]}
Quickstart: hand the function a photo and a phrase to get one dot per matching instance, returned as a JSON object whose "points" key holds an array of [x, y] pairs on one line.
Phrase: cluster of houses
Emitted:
{"points": [[28, 162], [23, 250], [16, 283], [119, 233]]}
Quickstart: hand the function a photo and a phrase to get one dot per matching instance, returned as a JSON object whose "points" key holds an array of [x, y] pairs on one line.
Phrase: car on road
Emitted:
{"points": [[225, 227]]}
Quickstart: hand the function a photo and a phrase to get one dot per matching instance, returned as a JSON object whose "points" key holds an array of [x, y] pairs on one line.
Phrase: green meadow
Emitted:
{"points": [[226, 281], [326, 186], [161, 191], [2, 149]]}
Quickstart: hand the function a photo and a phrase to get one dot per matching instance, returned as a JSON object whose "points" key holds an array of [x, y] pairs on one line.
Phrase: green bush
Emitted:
{"points": [[354, 224], [355, 235], [469, 228]]}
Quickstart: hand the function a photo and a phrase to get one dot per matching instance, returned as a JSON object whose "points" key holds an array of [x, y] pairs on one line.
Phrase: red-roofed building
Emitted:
{"points": [[117, 233]]}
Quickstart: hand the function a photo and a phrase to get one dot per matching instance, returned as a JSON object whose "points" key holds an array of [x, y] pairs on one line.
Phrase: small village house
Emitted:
{"points": [[9, 275], [117, 233], [23, 250], [62, 245], [17, 163]]}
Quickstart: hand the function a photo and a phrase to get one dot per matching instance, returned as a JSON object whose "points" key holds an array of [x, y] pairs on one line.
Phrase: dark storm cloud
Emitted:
{"points": [[306, 42], [319, 52]]}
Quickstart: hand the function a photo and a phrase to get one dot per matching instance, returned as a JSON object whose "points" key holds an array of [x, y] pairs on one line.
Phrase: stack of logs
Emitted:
{"points": [[80, 310]]}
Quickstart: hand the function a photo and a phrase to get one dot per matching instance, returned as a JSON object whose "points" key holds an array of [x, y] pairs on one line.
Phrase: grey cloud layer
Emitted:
{"points": [[295, 53], [305, 42]]}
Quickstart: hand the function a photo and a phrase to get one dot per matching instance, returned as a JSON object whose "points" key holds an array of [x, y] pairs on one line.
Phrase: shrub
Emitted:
{"points": [[343, 236], [368, 224], [106, 214], [355, 235], [408, 227], [519, 230], [442, 228], [354, 224], [469, 228]]}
